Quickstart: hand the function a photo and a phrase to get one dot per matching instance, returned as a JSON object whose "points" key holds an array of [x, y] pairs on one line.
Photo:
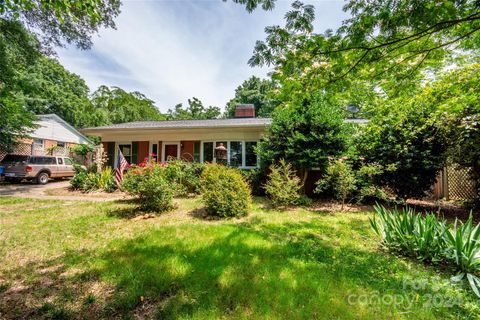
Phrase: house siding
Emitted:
{"points": [[142, 151]]}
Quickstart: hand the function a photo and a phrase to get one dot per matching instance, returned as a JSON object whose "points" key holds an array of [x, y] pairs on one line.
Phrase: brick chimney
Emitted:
{"points": [[244, 111]]}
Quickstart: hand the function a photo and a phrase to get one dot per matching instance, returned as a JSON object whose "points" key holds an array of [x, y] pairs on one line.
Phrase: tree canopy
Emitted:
{"points": [[194, 110], [256, 91], [62, 21], [385, 41], [115, 105]]}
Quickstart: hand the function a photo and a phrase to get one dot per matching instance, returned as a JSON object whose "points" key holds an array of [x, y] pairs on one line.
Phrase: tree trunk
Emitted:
{"points": [[304, 179]]}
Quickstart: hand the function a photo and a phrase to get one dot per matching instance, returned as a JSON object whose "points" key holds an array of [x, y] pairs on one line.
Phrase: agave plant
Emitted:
{"points": [[464, 251]]}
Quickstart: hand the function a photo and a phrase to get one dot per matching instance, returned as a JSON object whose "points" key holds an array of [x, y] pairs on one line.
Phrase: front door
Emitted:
{"points": [[171, 151]]}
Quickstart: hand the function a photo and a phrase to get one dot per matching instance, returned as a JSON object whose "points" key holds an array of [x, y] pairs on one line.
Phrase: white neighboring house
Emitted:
{"points": [[52, 131]]}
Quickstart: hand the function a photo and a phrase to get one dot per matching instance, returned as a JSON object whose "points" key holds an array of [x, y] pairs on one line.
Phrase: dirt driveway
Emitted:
{"points": [[55, 190]]}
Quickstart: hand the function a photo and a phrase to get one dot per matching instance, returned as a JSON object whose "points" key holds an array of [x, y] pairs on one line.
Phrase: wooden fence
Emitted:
{"points": [[455, 183]]}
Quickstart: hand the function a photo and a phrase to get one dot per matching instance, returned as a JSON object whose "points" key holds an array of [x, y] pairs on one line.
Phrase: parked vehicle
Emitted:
{"points": [[37, 168]]}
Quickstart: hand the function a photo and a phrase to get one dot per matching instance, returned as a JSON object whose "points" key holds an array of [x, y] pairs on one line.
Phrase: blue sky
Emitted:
{"points": [[172, 50]]}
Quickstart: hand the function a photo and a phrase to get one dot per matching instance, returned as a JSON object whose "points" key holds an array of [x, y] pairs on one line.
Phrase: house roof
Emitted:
{"points": [[187, 124], [48, 131]]}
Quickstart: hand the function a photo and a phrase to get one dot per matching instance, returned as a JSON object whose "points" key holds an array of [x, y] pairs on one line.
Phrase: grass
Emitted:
{"points": [[85, 260]]}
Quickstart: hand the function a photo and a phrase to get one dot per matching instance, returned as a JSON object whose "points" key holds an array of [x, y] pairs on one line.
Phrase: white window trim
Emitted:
{"points": [[164, 144], [43, 142], [244, 155], [150, 149]]}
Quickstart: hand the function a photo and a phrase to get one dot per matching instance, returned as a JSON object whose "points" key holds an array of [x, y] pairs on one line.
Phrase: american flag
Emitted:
{"points": [[122, 165]]}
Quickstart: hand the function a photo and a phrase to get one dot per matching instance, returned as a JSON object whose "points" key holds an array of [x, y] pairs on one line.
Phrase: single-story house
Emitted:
{"points": [[190, 140], [52, 131]]}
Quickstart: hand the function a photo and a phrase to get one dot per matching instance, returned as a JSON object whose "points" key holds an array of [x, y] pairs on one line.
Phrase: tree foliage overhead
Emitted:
{"points": [[256, 91], [62, 21], [194, 111], [386, 42]]}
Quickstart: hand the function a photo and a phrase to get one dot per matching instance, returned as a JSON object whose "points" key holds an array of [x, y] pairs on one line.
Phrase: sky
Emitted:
{"points": [[172, 50]]}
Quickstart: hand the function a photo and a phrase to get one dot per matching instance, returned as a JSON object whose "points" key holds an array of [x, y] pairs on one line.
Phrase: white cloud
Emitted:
{"points": [[174, 50]]}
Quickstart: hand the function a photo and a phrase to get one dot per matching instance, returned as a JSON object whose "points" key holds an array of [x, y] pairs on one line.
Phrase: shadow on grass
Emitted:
{"points": [[244, 270]]}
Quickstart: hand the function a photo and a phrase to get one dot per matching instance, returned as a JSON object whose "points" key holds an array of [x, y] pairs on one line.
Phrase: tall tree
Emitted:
{"points": [[48, 87], [194, 111], [31, 28], [305, 133], [256, 91], [119, 106]]}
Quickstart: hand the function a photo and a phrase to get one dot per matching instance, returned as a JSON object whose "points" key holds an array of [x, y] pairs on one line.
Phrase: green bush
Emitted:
{"points": [[151, 187], [404, 139], [283, 186], [185, 176], [339, 179], [428, 238], [91, 181], [225, 193], [77, 181], [368, 190]]}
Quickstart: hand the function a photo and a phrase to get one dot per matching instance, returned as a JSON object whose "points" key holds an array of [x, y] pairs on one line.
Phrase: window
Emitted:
{"points": [[38, 143], [68, 161], [196, 151], [236, 153], [59, 160], [126, 150], [250, 154], [13, 158], [208, 152], [42, 160], [154, 154], [60, 144]]}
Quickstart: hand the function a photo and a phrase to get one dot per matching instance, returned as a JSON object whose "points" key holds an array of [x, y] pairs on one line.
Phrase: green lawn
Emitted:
{"points": [[86, 260]]}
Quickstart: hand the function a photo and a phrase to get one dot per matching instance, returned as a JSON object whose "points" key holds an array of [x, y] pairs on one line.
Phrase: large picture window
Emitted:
{"points": [[241, 154]]}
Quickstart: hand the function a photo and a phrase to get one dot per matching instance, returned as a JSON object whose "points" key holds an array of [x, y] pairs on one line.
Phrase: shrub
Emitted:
{"points": [[339, 178], [368, 190], [77, 181], [283, 186], [151, 187], [225, 192], [403, 137], [91, 181], [185, 176]]}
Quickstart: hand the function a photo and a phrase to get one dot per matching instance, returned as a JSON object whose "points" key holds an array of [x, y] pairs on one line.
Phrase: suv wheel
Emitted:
{"points": [[42, 178]]}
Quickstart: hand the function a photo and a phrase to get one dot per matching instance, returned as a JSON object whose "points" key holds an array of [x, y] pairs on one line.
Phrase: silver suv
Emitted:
{"points": [[37, 168]]}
